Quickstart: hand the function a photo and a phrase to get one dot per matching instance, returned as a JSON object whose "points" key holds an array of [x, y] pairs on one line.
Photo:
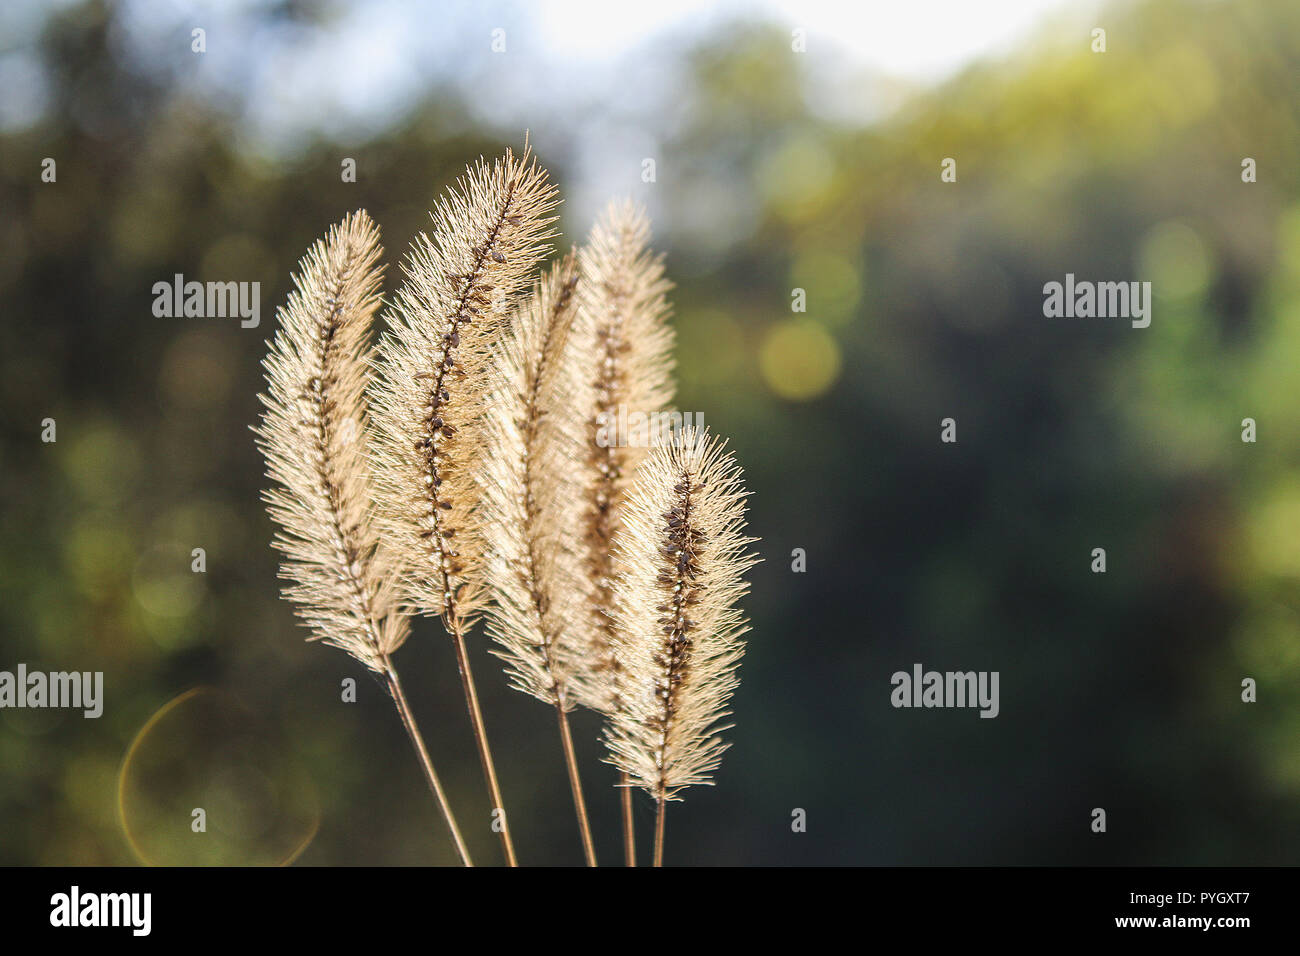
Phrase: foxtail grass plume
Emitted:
{"points": [[315, 436], [490, 233], [624, 356], [314, 433], [624, 348], [532, 508], [530, 486], [680, 559], [470, 463]]}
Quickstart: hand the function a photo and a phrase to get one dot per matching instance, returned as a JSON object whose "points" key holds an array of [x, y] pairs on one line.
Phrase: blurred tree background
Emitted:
{"points": [[1120, 691]]}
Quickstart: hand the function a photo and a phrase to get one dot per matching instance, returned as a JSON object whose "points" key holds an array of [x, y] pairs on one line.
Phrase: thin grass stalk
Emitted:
{"points": [[481, 741], [417, 741], [659, 831], [629, 831], [575, 785]]}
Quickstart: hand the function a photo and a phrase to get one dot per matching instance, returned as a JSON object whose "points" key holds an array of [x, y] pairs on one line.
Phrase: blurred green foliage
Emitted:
{"points": [[1119, 691]]}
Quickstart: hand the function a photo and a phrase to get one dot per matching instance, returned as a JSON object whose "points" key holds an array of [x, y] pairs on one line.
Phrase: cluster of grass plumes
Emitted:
{"points": [[461, 468]]}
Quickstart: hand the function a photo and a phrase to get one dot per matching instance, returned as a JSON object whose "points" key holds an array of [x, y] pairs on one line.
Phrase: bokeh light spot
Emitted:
{"points": [[799, 359], [164, 583], [1175, 260], [832, 283], [1275, 532], [796, 179]]}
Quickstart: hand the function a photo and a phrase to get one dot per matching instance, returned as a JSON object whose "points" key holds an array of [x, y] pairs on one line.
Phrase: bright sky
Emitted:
{"points": [[912, 39], [570, 62], [374, 57]]}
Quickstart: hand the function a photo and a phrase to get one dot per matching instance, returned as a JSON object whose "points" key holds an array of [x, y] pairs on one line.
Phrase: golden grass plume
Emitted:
{"points": [[489, 234], [624, 350], [314, 434], [530, 491], [470, 463], [680, 558]]}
